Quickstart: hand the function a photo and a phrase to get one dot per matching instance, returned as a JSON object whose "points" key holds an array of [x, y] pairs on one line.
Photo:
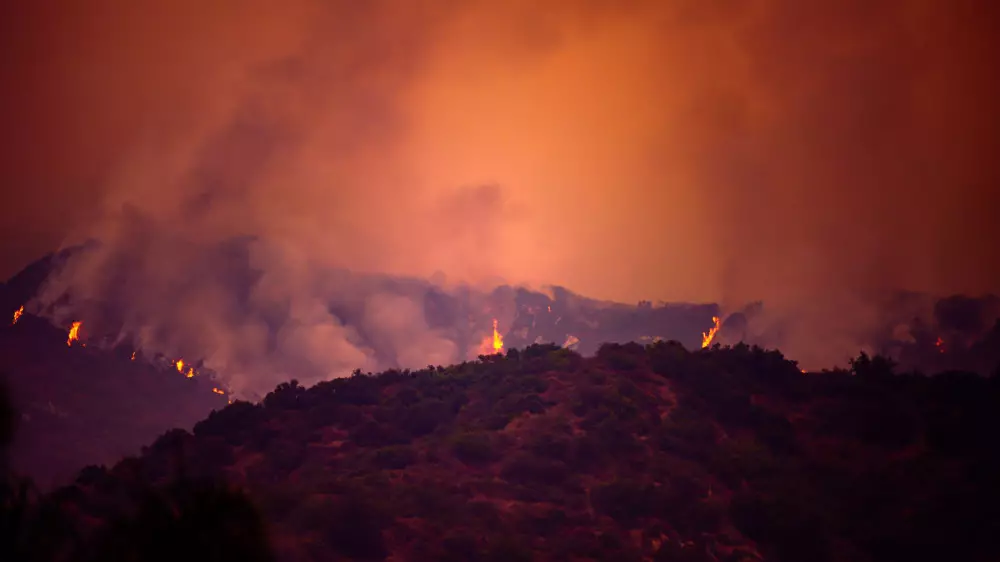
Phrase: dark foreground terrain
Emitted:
{"points": [[639, 453]]}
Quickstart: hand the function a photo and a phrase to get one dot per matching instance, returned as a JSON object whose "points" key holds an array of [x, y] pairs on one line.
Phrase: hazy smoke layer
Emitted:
{"points": [[803, 153]]}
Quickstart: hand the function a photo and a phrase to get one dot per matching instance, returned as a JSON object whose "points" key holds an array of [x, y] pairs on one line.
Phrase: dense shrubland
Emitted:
{"points": [[639, 453]]}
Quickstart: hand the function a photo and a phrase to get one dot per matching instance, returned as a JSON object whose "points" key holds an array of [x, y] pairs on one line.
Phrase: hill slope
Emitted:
{"points": [[639, 453], [81, 405]]}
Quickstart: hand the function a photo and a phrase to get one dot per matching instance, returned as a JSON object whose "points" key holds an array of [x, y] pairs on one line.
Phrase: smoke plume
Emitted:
{"points": [[809, 155]]}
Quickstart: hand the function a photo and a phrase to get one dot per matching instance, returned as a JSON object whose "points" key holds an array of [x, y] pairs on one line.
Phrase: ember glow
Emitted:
{"points": [[17, 315], [707, 337], [74, 333], [940, 345], [190, 373], [218, 391], [133, 356], [179, 365]]}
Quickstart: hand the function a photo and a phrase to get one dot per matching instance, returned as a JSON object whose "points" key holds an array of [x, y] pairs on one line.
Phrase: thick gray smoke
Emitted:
{"points": [[257, 314], [683, 151]]}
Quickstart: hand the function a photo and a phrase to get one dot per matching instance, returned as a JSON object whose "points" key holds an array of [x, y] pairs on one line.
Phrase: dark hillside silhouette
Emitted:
{"points": [[182, 519], [638, 453]]}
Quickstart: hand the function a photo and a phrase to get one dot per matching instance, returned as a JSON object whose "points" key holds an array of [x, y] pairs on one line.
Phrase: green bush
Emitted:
{"points": [[529, 470], [473, 448], [395, 458], [374, 434]]}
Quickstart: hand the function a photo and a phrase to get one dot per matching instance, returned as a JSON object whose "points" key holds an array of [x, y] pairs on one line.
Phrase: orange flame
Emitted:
{"points": [[133, 356], [190, 373], [74, 333], [497, 339], [180, 366], [492, 344], [707, 337], [17, 315], [218, 391]]}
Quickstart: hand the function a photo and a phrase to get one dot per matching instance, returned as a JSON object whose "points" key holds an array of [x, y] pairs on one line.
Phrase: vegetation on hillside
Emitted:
{"points": [[639, 453]]}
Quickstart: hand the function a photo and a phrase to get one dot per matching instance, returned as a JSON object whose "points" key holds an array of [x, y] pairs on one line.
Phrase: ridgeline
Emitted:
{"points": [[638, 453]]}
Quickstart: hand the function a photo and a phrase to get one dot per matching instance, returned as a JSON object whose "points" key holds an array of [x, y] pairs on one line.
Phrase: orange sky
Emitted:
{"points": [[660, 150]]}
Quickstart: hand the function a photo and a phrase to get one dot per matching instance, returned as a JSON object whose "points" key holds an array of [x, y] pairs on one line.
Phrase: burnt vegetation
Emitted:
{"points": [[639, 453]]}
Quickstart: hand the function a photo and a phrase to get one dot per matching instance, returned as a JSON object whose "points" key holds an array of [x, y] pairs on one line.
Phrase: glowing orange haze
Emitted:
{"points": [[354, 133]]}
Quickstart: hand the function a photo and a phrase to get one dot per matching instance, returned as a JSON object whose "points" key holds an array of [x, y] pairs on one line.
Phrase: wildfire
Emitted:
{"points": [[180, 366], [133, 356], [497, 339], [492, 344], [940, 345], [707, 337], [74, 333], [17, 315], [190, 372], [218, 391]]}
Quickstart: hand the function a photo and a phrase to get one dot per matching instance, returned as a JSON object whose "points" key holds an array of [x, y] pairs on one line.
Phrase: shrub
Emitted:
{"points": [[459, 548], [627, 357], [354, 529], [625, 501], [374, 434], [785, 528], [394, 458], [285, 455], [473, 448], [528, 470]]}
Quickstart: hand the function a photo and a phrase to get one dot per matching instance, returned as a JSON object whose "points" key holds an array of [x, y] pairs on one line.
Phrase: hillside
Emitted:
{"points": [[85, 405], [638, 453]]}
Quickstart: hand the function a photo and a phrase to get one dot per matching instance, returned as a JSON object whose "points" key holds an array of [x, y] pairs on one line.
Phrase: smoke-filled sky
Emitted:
{"points": [[671, 149]]}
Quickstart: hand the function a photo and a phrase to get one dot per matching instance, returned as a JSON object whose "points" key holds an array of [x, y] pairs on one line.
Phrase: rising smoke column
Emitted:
{"points": [[788, 138]]}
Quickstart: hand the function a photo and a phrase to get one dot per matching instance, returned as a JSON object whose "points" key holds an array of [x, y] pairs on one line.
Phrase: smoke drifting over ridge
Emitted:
{"points": [[798, 153]]}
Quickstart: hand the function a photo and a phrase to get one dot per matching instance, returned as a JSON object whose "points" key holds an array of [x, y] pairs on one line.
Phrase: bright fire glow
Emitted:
{"points": [[492, 344], [17, 315], [180, 365], [74, 333], [190, 372], [133, 356], [218, 391], [497, 339], [707, 337]]}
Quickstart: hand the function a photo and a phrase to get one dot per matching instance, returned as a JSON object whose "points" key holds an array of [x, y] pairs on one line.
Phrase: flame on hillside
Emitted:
{"points": [[492, 344], [74, 333], [133, 356], [180, 364], [707, 337], [218, 391], [17, 315], [497, 338]]}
